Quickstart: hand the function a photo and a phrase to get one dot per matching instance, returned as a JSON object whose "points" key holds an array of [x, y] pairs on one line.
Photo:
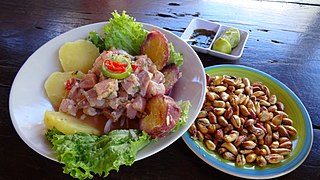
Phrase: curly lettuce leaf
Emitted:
{"points": [[84, 154], [122, 32], [175, 57], [184, 105], [98, 41]]}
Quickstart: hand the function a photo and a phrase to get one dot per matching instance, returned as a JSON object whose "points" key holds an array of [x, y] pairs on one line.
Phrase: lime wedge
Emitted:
{"points": [[222, 45], [232, 35]]}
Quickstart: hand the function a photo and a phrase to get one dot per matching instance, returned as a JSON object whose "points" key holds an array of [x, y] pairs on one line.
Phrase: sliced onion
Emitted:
{"points": [[107, 126], [133, 134]]}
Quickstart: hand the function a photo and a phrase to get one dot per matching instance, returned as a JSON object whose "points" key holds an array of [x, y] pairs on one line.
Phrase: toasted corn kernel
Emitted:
{"points": [[261, 161], [248, 90], [217, 80], [219, 89], [240, 160], [274, 145], [287, 121], [287, 145], [202, 114], [249, 144], [264, 103], [229, 156], [273, 99], [212, 118], [283, 131], [274, 158], [200, 136], [265, 116], [211, 96], [210, 145], [230, 147], [281, 151], [230, 82], [235, 120], [244, 111], [257, 131], [283, 139], [211, 128], [228, 113], [238, 91], [219, 111], [246, 151], [251, 157], [251, 137], [239, 140], [280, 106], [222, 121], [291, 130], [258, 93], [224, 96], [275, 135], [272, 108], [219, 104], [277, 120], [203, 129], [222, 150], [268, 139], [246, 82], [193, 129], [231, 137]]}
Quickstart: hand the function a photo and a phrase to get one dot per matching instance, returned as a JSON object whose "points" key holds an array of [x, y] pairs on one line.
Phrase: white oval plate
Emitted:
{"points": [[28, 100]]}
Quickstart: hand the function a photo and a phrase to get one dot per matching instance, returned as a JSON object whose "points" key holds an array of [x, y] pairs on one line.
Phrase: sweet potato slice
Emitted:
{"points": [[162, 116], [156, 47], [171, 75]]}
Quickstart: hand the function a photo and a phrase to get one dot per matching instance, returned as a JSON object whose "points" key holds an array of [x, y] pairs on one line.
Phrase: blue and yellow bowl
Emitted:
{"points": [[302, 142]]}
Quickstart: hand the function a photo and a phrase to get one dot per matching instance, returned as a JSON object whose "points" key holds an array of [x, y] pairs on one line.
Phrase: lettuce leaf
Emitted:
{"points": [[84, 154], [122, 32], [175, 57], [98, 41], [184, 105]]}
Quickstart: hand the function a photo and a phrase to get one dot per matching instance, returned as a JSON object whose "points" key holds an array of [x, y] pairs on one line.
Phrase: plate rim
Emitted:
{"points": [[307, 120]]}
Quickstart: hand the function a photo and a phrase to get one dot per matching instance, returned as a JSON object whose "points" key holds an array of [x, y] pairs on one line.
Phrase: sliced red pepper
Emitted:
{"points": [[115, 66], [70, 83], [134, 67]]}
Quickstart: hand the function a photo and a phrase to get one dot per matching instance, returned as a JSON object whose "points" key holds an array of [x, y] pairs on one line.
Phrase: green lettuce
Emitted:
{"points": [[122, 32], [175, 57], [184, 105], [84, 154], [98, 41]]}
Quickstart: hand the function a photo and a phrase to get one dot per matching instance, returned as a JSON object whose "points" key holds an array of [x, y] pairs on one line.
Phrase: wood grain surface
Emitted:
{"points": [[284, 42]]}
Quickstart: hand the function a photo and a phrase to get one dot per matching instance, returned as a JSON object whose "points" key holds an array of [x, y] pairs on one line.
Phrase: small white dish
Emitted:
{"points": [[28, 100], [198, 23]]}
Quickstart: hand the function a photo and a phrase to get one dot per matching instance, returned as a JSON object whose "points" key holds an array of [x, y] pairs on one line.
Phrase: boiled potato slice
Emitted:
{"points": [[78, 55], [55, 85], [67, 124]]}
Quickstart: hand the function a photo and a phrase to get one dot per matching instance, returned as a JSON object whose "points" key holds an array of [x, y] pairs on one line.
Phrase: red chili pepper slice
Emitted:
{"points": [[134, 67], [70, 83], [115, 66]]}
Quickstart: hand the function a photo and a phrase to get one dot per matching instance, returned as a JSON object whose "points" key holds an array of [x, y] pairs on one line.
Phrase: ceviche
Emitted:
{"points": [[113, 97]]}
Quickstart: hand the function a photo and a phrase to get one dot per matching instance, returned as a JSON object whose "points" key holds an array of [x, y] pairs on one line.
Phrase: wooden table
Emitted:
{"points": [[283, 42]]}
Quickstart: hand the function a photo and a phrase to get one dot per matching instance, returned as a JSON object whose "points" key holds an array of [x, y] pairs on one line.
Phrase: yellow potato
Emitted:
{"points": [[78, 55], [55, 85], [68, 124]]}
